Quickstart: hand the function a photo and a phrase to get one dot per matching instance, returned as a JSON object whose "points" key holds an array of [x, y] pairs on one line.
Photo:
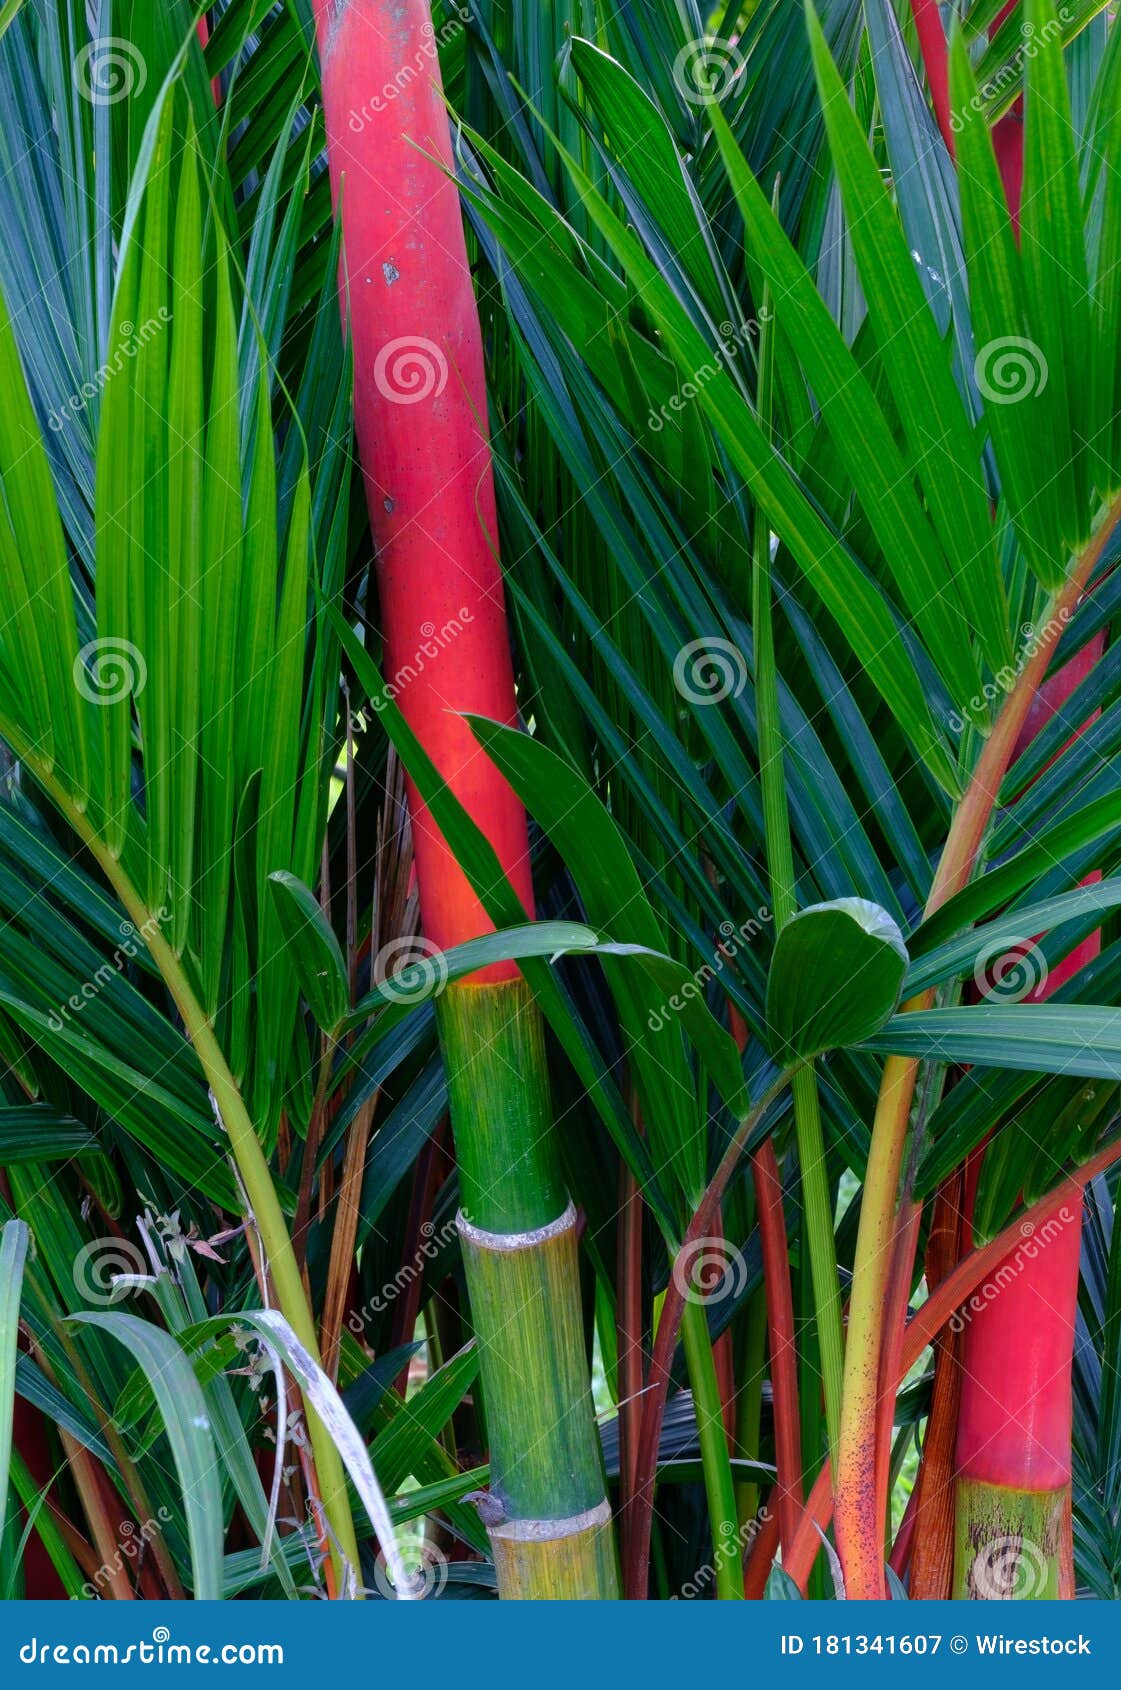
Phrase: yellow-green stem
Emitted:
{"points": [[716, 1465], [749, 1402], [1007, 1543], [256, 1177], [859, 1529], [818, 1207]]}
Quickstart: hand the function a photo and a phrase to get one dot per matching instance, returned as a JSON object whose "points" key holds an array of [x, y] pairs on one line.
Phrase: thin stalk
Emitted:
{"points": [[96, 1492], [751, 1365], [859, 1527], [636, 1571], [50, 1563], [1013, 1445], [343, 1236], [629, 1330], [253, 1167], [268, 1217], [302, 1222], [932, 1555], [720, 1489], [816, 1196], [922, 1329], [780, 1323], [895, 1320]]}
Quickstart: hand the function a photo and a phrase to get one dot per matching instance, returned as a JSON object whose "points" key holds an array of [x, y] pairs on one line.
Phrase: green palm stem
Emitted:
{"points": [[716, 1466], [547, 1514], [670, 1322], [859, 1526], [750, 1368], [816, 1195], [253, 1168]]}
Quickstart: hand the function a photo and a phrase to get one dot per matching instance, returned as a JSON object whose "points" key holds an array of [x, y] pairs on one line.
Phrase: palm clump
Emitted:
{"points": [[557, 994]]}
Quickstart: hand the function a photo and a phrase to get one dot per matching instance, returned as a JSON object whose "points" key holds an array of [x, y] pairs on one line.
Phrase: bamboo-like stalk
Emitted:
{"points": [[1007, 1542], [1013, 1419], [1013, 1453], [420, 408], [923, 1327], [860, 1529]]}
